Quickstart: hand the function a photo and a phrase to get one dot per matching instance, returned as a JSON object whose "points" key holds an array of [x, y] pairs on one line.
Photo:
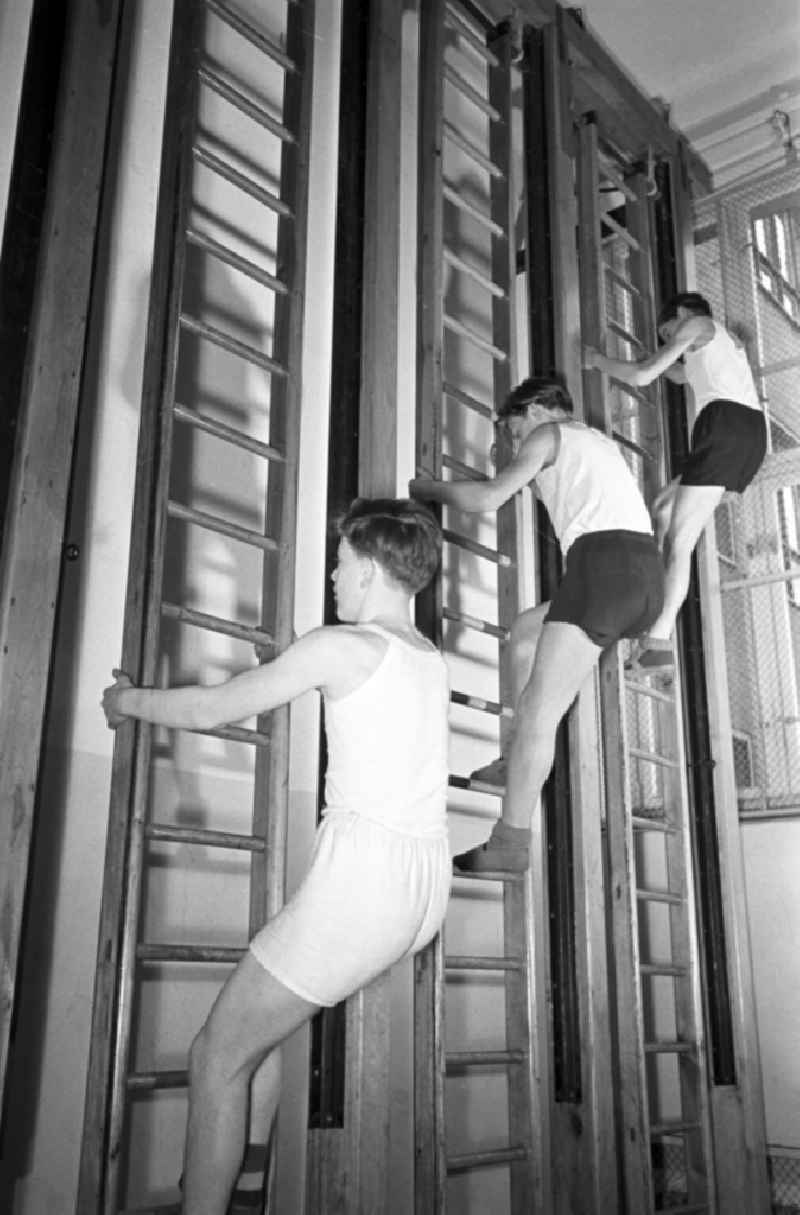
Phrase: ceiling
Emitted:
{"points": [[724, 67]]}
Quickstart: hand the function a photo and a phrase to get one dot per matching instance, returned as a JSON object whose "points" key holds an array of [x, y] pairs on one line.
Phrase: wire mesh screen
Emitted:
{"points": [[784, 1180], [747, 253]]}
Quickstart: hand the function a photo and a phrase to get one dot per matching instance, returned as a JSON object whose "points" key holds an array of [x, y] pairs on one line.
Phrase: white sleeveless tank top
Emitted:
{"points": [[720, 371], [387, 742], [589, 487]]}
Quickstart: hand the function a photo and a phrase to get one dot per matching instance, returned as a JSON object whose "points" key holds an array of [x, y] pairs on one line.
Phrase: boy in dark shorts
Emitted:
{"points": [[729, 441], [379, 879], [612, 588]]}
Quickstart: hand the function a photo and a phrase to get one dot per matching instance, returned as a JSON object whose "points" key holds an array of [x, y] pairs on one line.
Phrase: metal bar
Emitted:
{"points": [[147, 952], [653, 757], [458, 23], [464, 782], [467, 471], [623, 333], [148, 1082], [619, 231], [620, 279], [659, 896]]}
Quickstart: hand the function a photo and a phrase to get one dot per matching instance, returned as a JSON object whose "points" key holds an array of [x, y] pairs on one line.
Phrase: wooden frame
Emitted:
{"points": [[36, 514]]}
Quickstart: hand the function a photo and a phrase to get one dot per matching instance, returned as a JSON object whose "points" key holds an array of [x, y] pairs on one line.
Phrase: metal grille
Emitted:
{"points": [[784, 1180], [748, 266]]}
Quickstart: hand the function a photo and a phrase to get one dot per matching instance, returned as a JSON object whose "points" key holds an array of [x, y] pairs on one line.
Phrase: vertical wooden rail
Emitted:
{"points": [[37, 504], [430, 1171]]}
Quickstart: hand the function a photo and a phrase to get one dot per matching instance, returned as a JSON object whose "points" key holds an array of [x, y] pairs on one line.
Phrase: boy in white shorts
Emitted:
{"points": [[379, 879], [729, 442], [612, 587]]}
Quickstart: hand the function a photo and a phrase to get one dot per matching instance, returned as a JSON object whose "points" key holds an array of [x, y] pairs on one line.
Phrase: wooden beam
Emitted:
{"points": [[30, 563]]}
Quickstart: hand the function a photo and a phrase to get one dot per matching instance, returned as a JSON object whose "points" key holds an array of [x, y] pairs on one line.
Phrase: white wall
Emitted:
{"points": [[15, 16]]}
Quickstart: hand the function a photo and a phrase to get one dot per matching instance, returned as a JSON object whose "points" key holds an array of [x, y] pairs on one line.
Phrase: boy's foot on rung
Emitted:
{"points": [[491, 774], [651, 654], [506, 850]]}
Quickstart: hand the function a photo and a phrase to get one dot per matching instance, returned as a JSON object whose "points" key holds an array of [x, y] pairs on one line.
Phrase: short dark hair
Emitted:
{"points": [[401, 534], [550, 391], [693, 301]]}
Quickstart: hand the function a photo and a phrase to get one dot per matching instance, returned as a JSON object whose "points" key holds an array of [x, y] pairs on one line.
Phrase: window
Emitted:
{"points": [[775, 261], [743, 761], [788, 502]]}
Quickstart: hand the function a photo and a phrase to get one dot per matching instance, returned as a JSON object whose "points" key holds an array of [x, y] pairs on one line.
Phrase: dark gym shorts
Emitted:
{"points": [[729, 441], [613, 586]]}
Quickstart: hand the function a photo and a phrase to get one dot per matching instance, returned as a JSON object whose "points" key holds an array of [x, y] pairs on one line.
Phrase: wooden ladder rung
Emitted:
{"points": [[653, 757], [666, 969], [474, 622], [226, 341], [480, 550], [254, 738], [458, 23], [148, 1082], [217, 624], [452, 195], [475, 274], [623, 333], [466, 399], [481, 1160], [632, 391], [646, 689], [223, 527], [167, 833], [464, 782], [245, 105], [492, 875], [455, 326], [674, 1127], [649, 895], [480, 158], [621, 280], [241, 181], [670, 1048], [643, 822], [482, 962], [459, 1060], [483, 706], [637, 448], [147, 952], [252, 34], [465, 88], [168, 1208], [619, 231], [227, 433], [223, 254], [467, 471]]}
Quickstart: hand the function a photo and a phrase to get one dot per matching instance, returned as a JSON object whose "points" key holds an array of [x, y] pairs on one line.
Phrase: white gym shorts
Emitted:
{"points": [[371, 896]]}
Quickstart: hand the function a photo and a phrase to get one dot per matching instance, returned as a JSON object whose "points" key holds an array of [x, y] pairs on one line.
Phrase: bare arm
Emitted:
{"points": [[322, 659], [639, 374], [538, 450]]}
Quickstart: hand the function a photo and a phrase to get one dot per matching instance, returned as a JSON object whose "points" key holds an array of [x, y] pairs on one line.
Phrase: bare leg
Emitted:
{"points": [[523, 640], [693, 507], [251, 1016], [662, 509], [565, 656], [264, 1096]]}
